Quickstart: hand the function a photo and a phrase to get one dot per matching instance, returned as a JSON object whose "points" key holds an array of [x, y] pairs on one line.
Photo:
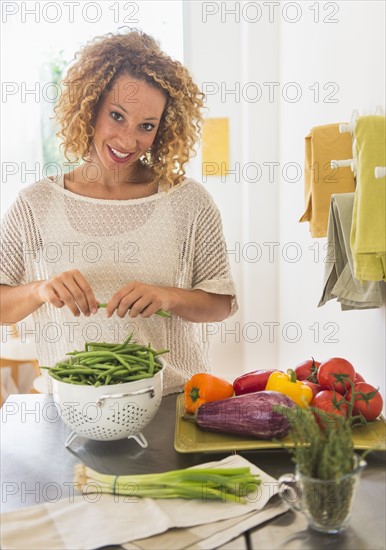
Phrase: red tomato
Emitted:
{"points": [[307, 370], [336, 366], [252, 381], [367, 400], [315, 387], [358, 378], [331, 402]]}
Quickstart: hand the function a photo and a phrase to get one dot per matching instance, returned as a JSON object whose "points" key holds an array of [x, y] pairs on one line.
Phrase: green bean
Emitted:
{"points": [[151, 368], [102, 366], [87, 354], [113, 369], [101, 344], [74, 371], [55, 376], [122, 372], [143, 361], [127, 340], [92, 361], [163, 313], [72, 381], [160, 312], [123, 362], [62, 364], [107, 363], [131, 348], [135, 370], [161, 352]]}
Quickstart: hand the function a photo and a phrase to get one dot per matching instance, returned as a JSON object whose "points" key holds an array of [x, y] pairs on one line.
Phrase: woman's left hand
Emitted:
{"points": [[140, 299]]}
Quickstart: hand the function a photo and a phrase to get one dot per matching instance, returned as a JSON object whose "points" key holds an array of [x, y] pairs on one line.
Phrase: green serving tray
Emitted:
{"points": [[189, 438]]}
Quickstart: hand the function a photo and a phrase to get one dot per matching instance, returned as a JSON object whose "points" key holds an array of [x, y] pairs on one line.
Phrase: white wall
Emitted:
{"points": [[45, 27], [350, 53], [289, 43], [224, 55]]}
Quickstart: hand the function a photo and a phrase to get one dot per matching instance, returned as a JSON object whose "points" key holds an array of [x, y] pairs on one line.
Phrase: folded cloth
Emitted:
{"points": [[210, 535], [339, 280], [95, 520], [324, 144], [368, 231]]}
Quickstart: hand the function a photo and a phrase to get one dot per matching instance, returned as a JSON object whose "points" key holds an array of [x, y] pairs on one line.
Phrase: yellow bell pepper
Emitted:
{"points": [[296, 390]]}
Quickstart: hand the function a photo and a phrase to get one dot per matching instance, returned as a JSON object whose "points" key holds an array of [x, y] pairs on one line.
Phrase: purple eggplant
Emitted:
{"points": [[250, 415]]}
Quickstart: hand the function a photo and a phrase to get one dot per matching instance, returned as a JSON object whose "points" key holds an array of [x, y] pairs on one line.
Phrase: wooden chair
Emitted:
{"points": [[17, 355]]}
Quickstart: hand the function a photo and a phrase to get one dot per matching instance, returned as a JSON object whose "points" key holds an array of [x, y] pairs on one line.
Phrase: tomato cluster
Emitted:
{"points": [[334, 382]]}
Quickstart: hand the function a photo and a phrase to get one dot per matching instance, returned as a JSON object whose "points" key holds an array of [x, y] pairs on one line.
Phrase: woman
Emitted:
{"points": [[125, 227]]}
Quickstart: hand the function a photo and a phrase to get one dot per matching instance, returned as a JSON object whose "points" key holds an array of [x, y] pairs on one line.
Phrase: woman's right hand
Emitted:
{"points": [[70, 289]]}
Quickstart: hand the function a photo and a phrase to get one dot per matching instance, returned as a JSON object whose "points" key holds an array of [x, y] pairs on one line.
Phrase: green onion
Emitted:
{"points": [[232, 484]]}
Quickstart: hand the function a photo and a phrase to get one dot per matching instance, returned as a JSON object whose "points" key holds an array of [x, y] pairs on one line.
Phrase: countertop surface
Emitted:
{"points": [[36, 467]]}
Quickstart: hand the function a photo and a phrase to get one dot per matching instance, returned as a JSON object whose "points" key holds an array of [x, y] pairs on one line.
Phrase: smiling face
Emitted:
{"points": [[126, 124]]}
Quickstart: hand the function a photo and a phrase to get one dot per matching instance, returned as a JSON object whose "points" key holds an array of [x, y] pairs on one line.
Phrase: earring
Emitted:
{"points": [[146, 158]]}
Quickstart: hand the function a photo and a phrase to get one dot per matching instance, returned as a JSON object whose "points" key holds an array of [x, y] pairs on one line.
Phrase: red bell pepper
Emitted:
{"points": [[252, 381]]}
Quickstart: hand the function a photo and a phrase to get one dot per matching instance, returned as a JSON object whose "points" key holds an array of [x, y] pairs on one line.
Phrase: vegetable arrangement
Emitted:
{"points": [[103, 364], [232, 484], [331, 388]]}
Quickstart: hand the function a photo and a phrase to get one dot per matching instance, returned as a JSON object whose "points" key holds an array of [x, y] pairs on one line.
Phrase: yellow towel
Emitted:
{"points": [[324, 144], [368, 230]]}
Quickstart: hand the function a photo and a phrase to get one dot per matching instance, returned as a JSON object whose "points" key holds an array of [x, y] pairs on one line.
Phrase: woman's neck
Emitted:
{"points": [[90, 181]]}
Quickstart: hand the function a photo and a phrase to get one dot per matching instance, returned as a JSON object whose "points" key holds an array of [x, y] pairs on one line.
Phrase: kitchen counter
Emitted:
{"points": [[36, 467]]}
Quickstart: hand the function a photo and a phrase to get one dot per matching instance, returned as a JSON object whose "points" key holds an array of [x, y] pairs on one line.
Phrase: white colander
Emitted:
{"points": [[110, 412]]}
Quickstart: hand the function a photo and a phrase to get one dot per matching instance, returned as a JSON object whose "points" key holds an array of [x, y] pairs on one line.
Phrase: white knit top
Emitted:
{"points": [[173, 238]]}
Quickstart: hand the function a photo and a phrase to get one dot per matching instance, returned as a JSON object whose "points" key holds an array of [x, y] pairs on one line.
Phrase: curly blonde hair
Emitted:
{"points": [[98, 65]]}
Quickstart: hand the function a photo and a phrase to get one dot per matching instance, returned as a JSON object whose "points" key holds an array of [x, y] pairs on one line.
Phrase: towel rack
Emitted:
{"points": [[341, 163], [349, 163], [380, 172], [344, 127], [350, 127]]}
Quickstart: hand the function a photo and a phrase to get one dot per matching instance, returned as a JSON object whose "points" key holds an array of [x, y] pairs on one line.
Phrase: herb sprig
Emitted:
{"points": [[323, 446]]}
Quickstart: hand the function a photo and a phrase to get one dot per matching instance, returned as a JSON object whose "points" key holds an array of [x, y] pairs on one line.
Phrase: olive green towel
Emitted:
{"points": [[339, 280], [368, 231]]}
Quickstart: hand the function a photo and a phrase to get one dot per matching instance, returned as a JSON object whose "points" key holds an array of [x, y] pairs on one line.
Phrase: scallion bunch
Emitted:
{"points": [[231, 484]]}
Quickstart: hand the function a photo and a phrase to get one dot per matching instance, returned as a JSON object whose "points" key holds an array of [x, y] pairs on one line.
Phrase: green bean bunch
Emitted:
{"points": [[104, 364]]}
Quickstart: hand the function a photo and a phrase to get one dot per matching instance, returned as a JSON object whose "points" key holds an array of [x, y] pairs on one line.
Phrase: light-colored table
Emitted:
{"points": [[36, 467]]}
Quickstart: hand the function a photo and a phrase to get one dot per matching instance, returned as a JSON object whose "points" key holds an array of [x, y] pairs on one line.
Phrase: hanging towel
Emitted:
{"points": [[324, 144], [339, 280], [368, 230]]}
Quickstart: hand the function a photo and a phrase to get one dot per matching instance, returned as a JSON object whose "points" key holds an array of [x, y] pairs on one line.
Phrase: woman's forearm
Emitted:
{"points": [[199, 306], [17, 302]]}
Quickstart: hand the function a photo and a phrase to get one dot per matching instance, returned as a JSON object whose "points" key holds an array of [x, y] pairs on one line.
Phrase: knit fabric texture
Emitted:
{"points": [[173, 238]]}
